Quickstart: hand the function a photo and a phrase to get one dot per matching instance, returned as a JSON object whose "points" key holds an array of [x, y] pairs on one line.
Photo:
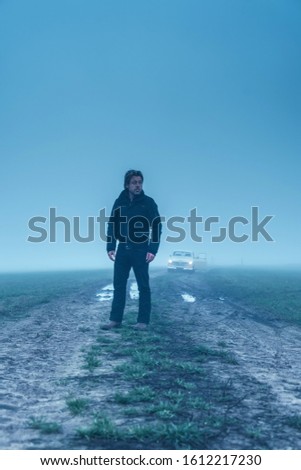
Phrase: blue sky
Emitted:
{"points": [[203, 96]]}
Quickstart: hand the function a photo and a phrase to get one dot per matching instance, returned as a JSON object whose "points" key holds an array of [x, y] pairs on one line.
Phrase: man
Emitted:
{"points": [[135, 224]]}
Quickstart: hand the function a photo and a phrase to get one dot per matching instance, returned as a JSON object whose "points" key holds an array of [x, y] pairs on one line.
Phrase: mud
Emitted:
{"points": [[42, 358]]}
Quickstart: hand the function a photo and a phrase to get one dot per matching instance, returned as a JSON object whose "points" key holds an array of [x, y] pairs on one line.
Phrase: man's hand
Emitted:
{"points": [[112, 255], [149, 257]]}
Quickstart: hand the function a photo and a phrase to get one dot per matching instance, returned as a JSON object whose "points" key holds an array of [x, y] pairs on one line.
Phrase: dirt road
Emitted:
{"points": [[268, 372], [42, 365]]}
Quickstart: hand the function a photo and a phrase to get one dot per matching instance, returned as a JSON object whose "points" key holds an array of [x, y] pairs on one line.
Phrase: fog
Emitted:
{"points": [[203, 97]]}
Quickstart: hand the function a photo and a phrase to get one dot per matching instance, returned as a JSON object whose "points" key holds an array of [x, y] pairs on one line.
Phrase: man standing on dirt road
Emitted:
{"points": [[135, 223]]}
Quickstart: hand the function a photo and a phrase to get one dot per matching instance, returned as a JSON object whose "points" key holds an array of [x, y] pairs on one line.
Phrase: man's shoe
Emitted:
{"points": [[140, 326], [111, 325]]}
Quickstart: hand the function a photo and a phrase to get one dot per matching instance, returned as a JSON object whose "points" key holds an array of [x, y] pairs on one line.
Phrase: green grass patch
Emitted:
{"points": [[91, 361], [165, 409], [198, 403], [174, 436], [77, 406], [130, 371], [102, 427], [44, 426], [176, 395], [138, 394], [132, 411], [188, 367]]}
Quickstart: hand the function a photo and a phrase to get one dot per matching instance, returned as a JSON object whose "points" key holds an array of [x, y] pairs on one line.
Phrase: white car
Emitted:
{"points": [[181, 260]]}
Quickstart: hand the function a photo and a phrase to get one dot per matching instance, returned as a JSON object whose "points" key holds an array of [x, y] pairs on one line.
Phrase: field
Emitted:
{"points": [[276, 293], [21, 291], [217, 369]]}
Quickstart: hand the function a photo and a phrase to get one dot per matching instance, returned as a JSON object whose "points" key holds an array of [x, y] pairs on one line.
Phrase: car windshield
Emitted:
{"points": [[182, 253]]}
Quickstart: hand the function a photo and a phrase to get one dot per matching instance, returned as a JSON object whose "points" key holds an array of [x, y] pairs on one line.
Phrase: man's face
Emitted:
{"points": [[135, 185]]}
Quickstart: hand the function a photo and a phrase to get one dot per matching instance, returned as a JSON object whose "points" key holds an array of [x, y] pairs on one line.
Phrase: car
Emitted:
{"points": [[186, 261]]}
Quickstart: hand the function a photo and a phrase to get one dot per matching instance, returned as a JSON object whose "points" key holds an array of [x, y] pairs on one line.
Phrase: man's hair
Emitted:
{"points": [[129, 174]]}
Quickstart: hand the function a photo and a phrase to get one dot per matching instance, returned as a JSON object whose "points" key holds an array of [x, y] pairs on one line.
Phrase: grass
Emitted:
{"points": [[161, 378], [77, 406], [165, 409], [188, 385], [163, 388], [294, 422], [204, 351], [188, 368], [161, 381], [178, 395], [20, 292], [91, 361], [144, 358], [198, 403], [45, 427], [138, 394], [163, 385], [169, 435], [131, 371], [132, 411], [102, 427], [277, 293], [254, 433], [162, 435]]}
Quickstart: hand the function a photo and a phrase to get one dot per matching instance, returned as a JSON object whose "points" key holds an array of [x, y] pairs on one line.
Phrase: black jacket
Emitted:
{"points": [[134, 223]]}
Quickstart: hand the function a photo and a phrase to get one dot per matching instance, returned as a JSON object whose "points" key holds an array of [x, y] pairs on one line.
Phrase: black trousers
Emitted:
{"points": [[127, 258]]}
